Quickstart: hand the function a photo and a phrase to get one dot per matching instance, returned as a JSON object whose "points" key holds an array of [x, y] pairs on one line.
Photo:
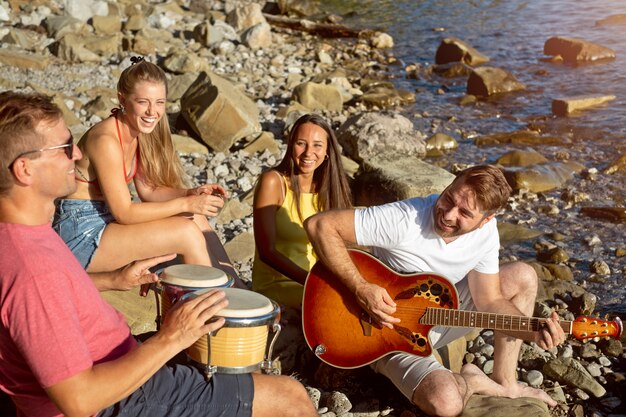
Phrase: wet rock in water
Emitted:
{"points": [[382, 41], [452, 70], [455, 50], [523, 137], [574, 50], [542, 177], [487, 81], [614, 214], [571, 372], [566, 105], [615, 19], [521, 158], [440, 142]]}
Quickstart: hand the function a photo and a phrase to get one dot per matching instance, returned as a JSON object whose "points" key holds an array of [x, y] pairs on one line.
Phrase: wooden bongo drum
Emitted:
{"points": [[240, 346]]}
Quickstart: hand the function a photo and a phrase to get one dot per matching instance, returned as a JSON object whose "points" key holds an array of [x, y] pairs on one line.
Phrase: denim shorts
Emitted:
{"points": [[182, 391], [80, 223]]}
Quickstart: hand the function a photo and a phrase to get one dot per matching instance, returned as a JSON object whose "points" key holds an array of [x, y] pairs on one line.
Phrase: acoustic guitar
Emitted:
{"points": [[341, 334]]}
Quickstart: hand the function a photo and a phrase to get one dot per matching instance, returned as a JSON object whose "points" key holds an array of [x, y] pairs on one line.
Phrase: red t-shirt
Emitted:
{"points": [[54, 323]]}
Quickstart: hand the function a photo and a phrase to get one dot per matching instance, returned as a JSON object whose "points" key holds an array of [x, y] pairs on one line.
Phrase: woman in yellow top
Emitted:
{"points": [[309, 179]]}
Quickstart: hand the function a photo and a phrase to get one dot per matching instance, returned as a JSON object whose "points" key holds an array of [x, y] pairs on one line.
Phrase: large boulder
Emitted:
{"points": [[245, 16], [455, 50], [487, 81], [219, 112], [367, 135], [573, 50], [392, 176], [316, 96]]}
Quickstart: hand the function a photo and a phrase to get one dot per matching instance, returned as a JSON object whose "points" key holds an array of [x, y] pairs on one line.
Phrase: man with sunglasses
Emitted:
{"points": [[63, 349]]}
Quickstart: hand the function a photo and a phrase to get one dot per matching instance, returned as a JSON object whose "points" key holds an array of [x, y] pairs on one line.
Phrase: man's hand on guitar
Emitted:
{"points": [[377, 302], [551, 334]]}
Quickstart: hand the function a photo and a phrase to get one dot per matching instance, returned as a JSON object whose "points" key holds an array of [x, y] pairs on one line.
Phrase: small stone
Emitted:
{"points": [[534, 378]]}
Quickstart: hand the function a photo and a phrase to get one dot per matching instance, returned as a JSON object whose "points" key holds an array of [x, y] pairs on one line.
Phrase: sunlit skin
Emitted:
{"points": [[56, 133], [144, 107], [457, 213], [309, 149]]}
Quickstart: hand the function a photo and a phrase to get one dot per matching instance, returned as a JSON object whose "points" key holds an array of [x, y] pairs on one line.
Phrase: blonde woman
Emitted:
{"points": [[100, 223]]}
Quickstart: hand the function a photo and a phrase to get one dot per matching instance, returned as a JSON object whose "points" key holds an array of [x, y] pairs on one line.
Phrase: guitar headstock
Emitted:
{"points": [[586, 328]]}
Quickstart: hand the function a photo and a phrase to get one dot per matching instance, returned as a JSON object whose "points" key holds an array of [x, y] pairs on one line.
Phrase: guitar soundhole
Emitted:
{"points": [[436, 289]]}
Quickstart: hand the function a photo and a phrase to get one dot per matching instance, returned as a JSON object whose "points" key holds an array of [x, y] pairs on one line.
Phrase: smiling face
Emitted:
{"points": [[144, 106], [55, 169], [310, 146], [457, 212]]}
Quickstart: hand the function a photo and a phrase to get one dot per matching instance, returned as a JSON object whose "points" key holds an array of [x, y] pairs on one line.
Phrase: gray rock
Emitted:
{"points": [[570, 372], [367, 135], [338, 403]]}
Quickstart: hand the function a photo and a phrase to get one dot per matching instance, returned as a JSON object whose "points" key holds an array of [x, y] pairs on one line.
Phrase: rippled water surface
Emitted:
{"points": [[512, 35]]}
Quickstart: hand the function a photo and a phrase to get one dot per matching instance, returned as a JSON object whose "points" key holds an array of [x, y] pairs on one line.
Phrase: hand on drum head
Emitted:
{"points": [[138, 273], [192, 318]]}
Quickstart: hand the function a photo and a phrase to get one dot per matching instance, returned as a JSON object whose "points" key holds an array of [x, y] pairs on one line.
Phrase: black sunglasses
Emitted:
{"points": [[68, 148]]}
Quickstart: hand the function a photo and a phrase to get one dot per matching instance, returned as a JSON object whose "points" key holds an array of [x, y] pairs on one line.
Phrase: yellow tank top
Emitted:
{"points": [[292, 241]]}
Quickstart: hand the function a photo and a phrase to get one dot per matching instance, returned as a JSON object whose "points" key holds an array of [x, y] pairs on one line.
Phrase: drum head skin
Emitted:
{"points": [[197, 276], [243, 303]]}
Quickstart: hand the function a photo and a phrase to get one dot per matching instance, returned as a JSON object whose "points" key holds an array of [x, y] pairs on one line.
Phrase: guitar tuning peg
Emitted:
{"points": [[606, 316], [596, 339], [607, 338], [585, 340]]}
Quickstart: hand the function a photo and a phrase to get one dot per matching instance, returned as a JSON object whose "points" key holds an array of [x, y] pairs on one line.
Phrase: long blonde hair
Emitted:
{"points": [[159, 163]]}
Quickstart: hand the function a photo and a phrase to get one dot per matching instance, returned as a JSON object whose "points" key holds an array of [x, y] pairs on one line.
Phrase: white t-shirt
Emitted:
{"points": [[401, 234]]}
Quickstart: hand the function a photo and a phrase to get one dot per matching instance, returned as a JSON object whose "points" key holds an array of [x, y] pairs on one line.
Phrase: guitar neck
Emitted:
{"points": [[460, 318]]}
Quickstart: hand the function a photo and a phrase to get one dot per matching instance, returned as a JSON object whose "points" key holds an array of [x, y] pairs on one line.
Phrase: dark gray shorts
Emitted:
{"points": [[182, 391]]}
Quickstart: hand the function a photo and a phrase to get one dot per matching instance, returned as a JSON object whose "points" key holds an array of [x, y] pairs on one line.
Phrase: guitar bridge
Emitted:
{"points": [[366, 323]]}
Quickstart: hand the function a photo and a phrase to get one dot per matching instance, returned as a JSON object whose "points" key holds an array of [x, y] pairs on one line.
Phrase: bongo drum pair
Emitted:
{"points": [[240, 345]]}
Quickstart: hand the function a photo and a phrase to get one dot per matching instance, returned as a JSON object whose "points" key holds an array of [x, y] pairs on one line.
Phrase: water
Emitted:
{"points": [[512, 35]]}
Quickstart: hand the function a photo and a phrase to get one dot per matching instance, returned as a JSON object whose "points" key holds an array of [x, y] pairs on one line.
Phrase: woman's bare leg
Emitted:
{"points": [[216, 250], [121, 244]]}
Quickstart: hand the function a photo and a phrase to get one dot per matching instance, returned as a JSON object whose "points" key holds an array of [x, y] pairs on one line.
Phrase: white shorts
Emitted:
{"points": [[405, 370]]}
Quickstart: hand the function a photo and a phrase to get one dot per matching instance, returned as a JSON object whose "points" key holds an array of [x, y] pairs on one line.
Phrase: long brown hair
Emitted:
{"points": [[330, 180], [160, 166]]}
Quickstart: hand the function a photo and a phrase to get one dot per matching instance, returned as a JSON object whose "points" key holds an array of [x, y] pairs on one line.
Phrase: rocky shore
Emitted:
{"points": [[241, 71]]}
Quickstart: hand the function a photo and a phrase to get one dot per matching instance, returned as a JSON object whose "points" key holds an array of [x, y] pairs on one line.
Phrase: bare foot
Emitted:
{"points": [[519, 390], [479, 383]]}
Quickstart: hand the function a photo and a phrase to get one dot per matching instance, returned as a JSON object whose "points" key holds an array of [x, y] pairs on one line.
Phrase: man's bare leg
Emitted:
{"points": [[519, 284], [280, 396]]}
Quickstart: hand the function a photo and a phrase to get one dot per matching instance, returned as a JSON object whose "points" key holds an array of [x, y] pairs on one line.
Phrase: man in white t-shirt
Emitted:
{"points": [[453, 234]]}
